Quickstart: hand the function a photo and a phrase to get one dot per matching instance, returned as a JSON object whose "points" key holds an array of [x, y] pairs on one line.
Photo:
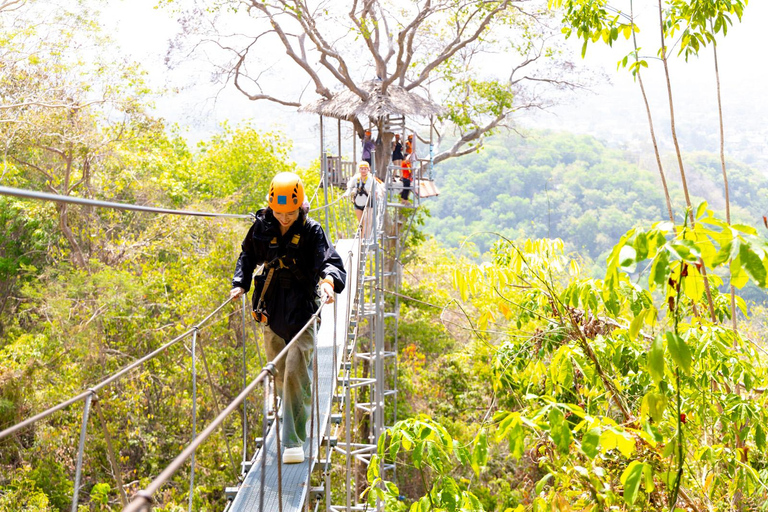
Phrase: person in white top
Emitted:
{"points": [[360, 187]]}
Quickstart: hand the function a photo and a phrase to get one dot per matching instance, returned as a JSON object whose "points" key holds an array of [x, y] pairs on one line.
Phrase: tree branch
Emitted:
{"points": [[457, 44], [320, 88]]}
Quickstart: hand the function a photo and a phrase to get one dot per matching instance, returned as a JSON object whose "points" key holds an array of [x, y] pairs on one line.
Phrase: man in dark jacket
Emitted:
{"points": [[298, 258]]}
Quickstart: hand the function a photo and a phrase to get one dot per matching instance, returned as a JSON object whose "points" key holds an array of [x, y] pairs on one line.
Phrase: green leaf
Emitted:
{"points": [[559, 430], [641, 246], [461, 452], [760, 437], [752, 264], [659, 270], [517, 440], [653, 405], [738, 276], [373, 468], [450, 494], [589, 442], [631, 478], [541, 483], [561, 367], [680, 352], [744, 229], [722, 255], [648, 472], [685, 250], [627, 258], [418, 454], [701, 210], [480, 451], [636, 325], [656, 360]]}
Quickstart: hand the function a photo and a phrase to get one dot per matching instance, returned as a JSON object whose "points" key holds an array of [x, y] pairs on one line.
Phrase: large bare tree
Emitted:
{"points": [[482, 60], [64, 102]]}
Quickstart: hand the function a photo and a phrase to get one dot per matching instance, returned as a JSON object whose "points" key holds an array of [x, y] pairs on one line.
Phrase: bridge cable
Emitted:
{"points": [[109, 379], [144, 497], [31, 194]]}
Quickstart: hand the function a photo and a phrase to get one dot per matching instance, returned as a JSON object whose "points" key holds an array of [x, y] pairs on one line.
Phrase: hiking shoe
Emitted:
{"points": [[293, 455]]}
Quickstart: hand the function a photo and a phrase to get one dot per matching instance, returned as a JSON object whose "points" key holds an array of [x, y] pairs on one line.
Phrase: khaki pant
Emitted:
{"points": [[293, 383]]}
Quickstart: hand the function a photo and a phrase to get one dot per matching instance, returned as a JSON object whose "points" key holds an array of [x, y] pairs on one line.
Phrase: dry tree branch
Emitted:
{"points": [[457, 44]]}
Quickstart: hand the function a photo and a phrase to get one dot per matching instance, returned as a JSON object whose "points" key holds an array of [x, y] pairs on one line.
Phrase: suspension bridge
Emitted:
{"points": [[354, 370]]}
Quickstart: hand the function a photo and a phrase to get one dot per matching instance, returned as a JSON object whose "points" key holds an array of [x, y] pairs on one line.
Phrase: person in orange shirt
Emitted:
{"points": [[405, 165]]}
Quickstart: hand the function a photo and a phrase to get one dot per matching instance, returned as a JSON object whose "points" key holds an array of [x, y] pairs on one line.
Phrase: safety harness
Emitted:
{"points": [[288, 261], [360, 191]]}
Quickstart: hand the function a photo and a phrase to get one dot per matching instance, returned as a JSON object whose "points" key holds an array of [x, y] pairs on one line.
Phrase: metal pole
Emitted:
{"points": [[194, 420], [245, 384], [217, 406], [264, 431], [278, 449], [81, 449], [431, 148], [324, 170], [378, 409], [111, 454]]}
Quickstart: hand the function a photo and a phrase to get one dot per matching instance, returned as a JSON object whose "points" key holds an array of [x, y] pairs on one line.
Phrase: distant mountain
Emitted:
{"points": [[575, 187]]}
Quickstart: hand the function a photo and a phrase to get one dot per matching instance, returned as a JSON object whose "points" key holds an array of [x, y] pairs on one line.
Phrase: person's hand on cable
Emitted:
{"points": [[236, 292], [326, 289]]}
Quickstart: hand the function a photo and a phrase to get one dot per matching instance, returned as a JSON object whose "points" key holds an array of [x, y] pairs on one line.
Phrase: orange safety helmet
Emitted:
{"points": [[286, 192]]}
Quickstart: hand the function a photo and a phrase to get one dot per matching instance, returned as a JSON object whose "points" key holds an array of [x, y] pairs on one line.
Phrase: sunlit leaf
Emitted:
{"points": [[631, 478], [590, 441], [656, 359], [559, 430], [680, 352]]}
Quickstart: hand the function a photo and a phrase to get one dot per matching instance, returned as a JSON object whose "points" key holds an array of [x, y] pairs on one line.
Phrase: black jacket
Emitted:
{"points": [[291, 298]]}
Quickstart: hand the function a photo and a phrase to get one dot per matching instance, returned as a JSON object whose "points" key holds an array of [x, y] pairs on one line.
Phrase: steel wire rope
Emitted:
{"points": [[89, 394], [108, 380], [144, 497], [43, 196]]}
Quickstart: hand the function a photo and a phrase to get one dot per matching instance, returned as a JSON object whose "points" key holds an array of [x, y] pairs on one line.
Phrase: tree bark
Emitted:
{"points": [[650, 121], [725, 174], [679, 155]]}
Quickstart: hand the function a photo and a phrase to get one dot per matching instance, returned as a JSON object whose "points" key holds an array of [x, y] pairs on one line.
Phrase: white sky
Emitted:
{"points": [[611, 111]]}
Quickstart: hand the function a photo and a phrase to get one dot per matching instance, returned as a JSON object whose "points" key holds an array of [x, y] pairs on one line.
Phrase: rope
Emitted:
{"points": [[31, 194]]}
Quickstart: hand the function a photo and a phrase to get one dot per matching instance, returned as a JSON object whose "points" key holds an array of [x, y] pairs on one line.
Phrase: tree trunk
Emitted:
{"points": [[680, 158], [678, 153], [77, 253], [725, 174], [650, 123], [656, 151]]}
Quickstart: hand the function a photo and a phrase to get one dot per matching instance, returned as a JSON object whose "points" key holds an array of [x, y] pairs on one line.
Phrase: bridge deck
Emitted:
{"points": [[249, 496]]}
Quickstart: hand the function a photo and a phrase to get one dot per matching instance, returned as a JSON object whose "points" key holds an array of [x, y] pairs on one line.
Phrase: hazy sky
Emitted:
{"points": [[611, 111]]}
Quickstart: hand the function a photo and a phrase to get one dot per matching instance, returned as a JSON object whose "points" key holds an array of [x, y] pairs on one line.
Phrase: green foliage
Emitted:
{"points": [[612, 389], [51, 478], [569, 187]]}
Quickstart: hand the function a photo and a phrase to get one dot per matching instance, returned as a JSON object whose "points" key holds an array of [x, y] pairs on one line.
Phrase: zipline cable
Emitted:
{"points": [[31, 194]]}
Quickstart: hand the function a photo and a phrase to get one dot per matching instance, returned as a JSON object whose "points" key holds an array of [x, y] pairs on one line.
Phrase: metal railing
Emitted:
{"points": [[358, 389]]}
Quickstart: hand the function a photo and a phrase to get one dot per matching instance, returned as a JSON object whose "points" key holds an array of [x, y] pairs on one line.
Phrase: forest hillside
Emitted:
{"points": [[576, 188], [599, 355]]}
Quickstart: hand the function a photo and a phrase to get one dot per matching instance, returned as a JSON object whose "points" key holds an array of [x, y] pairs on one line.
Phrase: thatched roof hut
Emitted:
{"points": [[396, 101]]}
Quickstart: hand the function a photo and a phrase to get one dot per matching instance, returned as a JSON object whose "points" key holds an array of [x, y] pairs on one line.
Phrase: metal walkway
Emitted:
{"points": [[331, 342]]}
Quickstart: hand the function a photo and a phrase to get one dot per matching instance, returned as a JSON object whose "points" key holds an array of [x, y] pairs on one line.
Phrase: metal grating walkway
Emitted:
{"points": [[249, 496]]}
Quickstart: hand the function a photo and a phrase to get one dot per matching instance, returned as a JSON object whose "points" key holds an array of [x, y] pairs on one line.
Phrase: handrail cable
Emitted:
{"points": [[92, 390], [31, 194], [144, 496]]}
